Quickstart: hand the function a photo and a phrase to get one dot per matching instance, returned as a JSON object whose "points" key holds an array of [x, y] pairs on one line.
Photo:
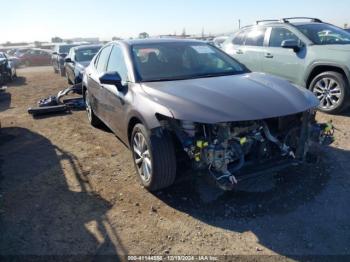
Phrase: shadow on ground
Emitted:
{"points": [[18, 81], [43, 211], [5, 100], [346, 112], [301, 211]]}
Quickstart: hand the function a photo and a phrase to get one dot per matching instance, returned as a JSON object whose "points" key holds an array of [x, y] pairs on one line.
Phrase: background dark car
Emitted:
{"points": [[7, 68], [59, 54], [35, 57], [77, 60]]}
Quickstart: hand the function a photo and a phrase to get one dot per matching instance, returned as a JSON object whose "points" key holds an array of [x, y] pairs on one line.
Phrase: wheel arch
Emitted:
{"points": [[319, 68], [131, 124]]}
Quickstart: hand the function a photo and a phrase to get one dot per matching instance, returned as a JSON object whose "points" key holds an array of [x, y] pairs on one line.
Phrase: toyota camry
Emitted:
{"points": [[177, 102]]}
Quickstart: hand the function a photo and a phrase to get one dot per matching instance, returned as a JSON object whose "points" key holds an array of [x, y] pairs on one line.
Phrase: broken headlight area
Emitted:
{"points": [[235, 151]]}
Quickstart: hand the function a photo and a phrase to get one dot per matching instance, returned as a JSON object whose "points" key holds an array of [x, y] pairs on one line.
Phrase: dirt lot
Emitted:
{"points": [[67, 188]]}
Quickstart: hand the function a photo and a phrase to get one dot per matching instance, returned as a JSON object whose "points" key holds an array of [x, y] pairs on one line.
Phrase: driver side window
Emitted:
{"points": [[279, 34], [116, 63], [103, 59]]}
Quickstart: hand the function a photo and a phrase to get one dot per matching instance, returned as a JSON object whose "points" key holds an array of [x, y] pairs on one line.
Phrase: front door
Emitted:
{"points": [[280, 61], [96, 89], [115, 98]]}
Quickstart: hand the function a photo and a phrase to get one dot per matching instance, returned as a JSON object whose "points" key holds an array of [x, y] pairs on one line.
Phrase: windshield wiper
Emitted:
{"points": [[217, 74], [194, 76], [164, 79]]}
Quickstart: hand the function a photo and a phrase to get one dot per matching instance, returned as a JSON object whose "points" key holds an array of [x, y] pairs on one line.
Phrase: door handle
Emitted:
{"points": [[239, 52], [269, 55]]}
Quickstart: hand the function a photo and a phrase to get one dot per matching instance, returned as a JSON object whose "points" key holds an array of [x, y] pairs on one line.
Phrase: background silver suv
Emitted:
{"points": [[312, 54]]}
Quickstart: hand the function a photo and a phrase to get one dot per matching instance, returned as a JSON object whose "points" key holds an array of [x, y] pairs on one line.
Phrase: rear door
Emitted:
{"points": [[235, 47], [95, 87], [280, 61], [253, 50]]}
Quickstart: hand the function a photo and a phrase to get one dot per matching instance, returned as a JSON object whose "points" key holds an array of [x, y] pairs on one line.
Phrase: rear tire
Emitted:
{"points": [[332, 89], [156, 154], [93, 119]]}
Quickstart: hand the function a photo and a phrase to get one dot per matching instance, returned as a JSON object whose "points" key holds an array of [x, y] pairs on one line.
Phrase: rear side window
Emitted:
{"points": [[255, 37], [279, 34], [103, 59], [239, 38]]}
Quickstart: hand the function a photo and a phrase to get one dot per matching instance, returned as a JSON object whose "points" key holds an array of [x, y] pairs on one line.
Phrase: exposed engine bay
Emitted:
{"points": [[231, 152]]}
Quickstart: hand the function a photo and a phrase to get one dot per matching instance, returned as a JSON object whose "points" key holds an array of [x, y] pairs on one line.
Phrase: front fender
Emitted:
{"points": [[145, 110]]}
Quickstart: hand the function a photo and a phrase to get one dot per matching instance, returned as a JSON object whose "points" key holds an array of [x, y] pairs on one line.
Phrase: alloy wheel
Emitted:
{"points": [[329, 92], [142, 157]]}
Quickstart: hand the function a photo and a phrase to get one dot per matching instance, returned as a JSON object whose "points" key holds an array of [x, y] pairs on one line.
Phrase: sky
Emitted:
{"points": [[40, 20]]}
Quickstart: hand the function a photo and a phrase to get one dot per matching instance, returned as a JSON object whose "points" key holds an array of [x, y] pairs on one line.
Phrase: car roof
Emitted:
{"points": [[158, 41], [83, 47], [269, 24]]}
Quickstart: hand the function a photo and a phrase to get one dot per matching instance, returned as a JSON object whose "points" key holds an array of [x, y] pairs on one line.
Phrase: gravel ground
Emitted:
{"points": [[67, 188]]}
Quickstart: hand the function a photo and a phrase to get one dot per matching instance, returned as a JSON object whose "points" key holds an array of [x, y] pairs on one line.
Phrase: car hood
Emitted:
{"points": [[244, 97]]}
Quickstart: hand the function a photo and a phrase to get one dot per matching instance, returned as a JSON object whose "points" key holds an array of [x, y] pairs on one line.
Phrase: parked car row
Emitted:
{"points": [[59, 54], [77, 60], [29, 56], [35, 57], [311, 54], [70, 60]]}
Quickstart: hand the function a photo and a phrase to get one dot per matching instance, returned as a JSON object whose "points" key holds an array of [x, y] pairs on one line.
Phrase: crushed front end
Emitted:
{"points": [[236, 151]]}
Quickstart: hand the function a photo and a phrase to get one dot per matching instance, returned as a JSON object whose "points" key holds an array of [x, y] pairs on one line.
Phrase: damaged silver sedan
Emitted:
{"points": [[178, 102]]}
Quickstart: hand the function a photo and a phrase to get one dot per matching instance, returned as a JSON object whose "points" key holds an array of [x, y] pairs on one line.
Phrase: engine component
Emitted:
{"points": [[224, 149], [322, 133], [189, 128], [283, 147]]}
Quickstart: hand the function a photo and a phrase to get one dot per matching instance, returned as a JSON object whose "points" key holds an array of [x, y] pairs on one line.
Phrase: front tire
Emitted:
{"points": [[332, 89], [154, 157]]}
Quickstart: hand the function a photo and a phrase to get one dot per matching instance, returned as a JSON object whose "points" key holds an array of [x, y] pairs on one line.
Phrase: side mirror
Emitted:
{"points": [[54, 53], [292, 44], [111, 78], [68, 60]]}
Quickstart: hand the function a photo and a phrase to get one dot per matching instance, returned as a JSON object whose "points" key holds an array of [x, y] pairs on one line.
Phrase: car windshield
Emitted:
{"points": [[324, 34], [86, 55], [64, 49], [175, 61], [2, 55]]}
